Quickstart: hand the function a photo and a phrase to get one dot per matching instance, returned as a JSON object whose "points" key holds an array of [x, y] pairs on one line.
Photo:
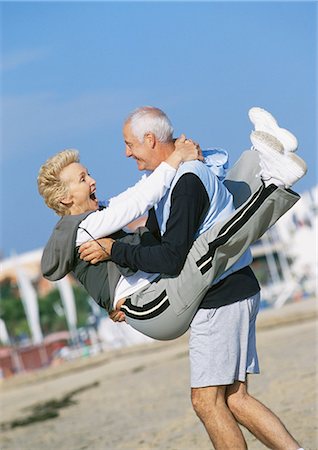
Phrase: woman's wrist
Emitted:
{"points": [[175, 159]]}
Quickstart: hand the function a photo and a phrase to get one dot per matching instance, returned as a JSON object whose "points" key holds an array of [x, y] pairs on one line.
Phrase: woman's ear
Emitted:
{"points": [[66, 201]]}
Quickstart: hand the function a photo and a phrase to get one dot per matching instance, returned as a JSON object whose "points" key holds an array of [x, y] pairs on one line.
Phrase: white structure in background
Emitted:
{"points": [[119, 334], [68, 300], [294, 240], [30, 304], [114, 335], [4, 336]]}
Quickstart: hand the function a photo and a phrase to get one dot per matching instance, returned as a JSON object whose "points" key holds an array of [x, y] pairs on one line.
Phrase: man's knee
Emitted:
{"points": [[198, 401], [236, 397], [207, 400]]}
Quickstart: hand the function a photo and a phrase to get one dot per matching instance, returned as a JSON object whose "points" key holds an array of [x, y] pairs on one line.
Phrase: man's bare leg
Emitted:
{"points": [[258, 419], [210, 406]]}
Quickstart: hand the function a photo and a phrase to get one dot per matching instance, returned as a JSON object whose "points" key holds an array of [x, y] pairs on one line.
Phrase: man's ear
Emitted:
{"points": [[150, 139]]}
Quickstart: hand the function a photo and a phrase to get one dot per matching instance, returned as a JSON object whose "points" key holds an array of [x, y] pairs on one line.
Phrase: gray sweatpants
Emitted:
{"points": [[164, 309]]}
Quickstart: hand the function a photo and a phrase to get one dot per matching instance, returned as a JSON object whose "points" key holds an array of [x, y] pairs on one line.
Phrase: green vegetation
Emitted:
{"points": [[12, 311]]}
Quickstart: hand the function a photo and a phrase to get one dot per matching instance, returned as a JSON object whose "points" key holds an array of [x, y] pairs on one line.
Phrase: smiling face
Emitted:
{"points": [[81, 189], [145, 153]]}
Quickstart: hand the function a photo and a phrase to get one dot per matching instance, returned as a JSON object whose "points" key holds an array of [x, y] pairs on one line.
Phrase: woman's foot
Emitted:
{"points": [[265, 121], [277, 167]]}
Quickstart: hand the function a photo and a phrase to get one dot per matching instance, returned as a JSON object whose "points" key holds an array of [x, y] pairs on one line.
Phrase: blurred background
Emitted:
{"points": [[70, 74]]}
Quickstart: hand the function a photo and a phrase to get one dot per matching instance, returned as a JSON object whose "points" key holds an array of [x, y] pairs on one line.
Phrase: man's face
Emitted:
{"points": [[145, 153]]}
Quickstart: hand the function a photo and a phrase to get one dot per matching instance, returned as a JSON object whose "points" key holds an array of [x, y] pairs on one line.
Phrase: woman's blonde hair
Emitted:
{"points": [[50, 186]]}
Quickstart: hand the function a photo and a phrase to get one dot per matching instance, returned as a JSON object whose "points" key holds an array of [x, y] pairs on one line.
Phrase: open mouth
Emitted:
{"points": [[93, 196]]}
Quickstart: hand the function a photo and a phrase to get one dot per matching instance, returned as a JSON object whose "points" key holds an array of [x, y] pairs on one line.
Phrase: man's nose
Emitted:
{"points": [[128, 152]]}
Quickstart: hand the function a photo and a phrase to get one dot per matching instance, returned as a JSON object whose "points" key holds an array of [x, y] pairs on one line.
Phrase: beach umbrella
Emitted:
{"points": [[30, 304], [68, 300], [4, 336]]}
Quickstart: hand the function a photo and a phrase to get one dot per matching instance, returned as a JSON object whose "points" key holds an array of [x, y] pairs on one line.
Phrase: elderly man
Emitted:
{"points": [[222, 339]]}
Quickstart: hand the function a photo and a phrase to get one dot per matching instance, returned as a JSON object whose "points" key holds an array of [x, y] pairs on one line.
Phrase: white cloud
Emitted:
{"points": [[19, 58], [33, 120]]}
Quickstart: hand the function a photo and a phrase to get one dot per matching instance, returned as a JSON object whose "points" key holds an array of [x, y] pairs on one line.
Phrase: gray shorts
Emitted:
{"points": [[223, 343]]}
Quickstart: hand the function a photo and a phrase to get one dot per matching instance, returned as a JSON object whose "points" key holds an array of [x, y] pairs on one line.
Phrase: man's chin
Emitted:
{"points": [[141, 165]]}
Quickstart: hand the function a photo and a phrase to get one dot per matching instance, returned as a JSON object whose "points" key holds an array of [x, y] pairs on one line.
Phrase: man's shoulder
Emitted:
{"points": [[196, 167], [190, 182], [193, 172]]}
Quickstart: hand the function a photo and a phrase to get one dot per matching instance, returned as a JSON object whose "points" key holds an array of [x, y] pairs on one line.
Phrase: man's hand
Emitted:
{"points": [[96, 251], [117, 316]]}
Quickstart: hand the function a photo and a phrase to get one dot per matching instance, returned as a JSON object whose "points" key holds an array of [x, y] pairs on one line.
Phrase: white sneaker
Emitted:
{"points": [[277, 167], [266, 144], [264, 121]]}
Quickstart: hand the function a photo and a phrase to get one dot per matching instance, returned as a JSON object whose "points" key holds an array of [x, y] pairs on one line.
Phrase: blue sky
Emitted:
{"points": [[72, 71]]}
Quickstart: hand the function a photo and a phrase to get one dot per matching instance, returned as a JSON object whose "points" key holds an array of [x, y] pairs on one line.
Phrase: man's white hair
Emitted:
{"points": [[148, 119]]}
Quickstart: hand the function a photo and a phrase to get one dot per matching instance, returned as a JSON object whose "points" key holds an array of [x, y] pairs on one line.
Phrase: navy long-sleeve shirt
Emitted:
{"points": [[189, 203]]}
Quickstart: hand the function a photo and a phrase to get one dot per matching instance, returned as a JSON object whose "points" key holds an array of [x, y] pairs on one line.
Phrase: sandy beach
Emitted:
{"points": [[138, 397]]}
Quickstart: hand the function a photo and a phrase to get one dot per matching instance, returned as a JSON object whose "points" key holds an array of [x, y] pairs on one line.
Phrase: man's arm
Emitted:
{"points": [[189, 201]]}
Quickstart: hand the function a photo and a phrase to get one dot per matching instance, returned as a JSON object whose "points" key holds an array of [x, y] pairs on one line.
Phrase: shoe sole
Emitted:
{"points": [[264, 121], [272, 150], [266, 144]]}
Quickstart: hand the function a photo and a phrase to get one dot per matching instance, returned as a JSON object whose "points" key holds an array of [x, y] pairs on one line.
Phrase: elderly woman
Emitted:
{"points": [[158, 306]]}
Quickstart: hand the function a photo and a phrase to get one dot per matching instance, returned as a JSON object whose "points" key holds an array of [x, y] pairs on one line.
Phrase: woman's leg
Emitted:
{"points": [[212, 253]]}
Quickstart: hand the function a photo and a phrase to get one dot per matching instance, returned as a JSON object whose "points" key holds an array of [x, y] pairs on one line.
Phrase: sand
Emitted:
{"points": [[138, 397]]}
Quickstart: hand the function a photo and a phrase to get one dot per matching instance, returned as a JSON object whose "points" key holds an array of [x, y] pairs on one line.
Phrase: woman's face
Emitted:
{"points": [[81, 189]]}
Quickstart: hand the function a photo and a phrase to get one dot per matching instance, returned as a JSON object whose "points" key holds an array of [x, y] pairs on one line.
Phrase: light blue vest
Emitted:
{"points": [[211, 173]]}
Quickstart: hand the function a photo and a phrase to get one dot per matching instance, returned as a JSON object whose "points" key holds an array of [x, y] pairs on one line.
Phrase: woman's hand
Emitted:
{"points": [[185, 150]]}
